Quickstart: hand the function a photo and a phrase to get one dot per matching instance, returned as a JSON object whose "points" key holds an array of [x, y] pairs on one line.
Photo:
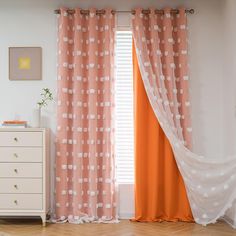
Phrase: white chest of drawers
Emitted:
{"points": [[24, 172]]}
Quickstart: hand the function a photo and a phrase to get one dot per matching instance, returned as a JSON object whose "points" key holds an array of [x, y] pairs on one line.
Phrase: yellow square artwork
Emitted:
{"points": [[24, 63]]}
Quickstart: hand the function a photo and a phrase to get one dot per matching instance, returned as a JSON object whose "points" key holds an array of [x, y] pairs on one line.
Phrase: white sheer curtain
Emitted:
{"points": [[161, 48]]}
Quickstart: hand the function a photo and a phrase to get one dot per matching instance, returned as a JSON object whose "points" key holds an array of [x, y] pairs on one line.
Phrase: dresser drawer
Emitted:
{"points": [[18, 185], [21, 154], [17, 139], [13, 170], [21, 201]]}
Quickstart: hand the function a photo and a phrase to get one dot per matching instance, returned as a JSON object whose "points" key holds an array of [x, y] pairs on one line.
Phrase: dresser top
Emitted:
{"points": [[22, 129]]}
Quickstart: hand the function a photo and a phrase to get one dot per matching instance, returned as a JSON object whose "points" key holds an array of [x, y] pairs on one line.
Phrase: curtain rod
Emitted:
{"points": [[102, 11]]}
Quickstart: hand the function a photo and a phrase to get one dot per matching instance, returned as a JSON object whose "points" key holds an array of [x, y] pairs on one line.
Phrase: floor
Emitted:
{"points": [[124, 228]]}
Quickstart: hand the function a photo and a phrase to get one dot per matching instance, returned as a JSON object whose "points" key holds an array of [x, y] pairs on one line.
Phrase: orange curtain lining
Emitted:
{"points": [[160, 193]]}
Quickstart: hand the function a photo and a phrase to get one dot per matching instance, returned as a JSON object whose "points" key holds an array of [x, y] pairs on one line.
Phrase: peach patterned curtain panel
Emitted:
{"points": [[85, 183], [161, 44], [161, 48]]}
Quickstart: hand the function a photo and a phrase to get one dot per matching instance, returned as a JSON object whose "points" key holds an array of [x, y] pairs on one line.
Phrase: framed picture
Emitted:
{"points": [[25, 63]]}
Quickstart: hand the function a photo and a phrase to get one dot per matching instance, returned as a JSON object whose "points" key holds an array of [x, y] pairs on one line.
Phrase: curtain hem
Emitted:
{"points": [[84, 219], [163, 219]]}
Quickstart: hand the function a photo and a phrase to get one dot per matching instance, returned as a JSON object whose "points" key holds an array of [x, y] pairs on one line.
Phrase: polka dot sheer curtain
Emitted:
{"points": [[161, 48], [85, 183]]}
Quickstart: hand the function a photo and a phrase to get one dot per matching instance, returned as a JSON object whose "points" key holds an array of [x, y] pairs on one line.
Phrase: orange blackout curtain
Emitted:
{"points": [[159, 189]]}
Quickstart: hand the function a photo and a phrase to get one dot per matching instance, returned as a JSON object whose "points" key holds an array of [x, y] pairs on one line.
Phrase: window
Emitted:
{"points": [[124, 126]]}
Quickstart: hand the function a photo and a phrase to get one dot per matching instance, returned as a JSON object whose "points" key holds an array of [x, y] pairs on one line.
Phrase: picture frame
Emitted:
{"points": [[25, 63]]}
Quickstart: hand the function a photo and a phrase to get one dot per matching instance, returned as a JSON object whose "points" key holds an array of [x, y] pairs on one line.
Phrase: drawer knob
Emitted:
{"points": [[15, 186], [15, 155], [16, 202], [16, 139], [15, 170]]}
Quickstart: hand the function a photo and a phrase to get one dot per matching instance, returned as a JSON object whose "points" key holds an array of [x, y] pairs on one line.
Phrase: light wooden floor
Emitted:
{"points": [[124, 228]]}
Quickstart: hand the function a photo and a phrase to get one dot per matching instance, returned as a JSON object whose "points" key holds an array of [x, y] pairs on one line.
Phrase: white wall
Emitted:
{"points": [[228, 84], [229, 77], [33, 23]]}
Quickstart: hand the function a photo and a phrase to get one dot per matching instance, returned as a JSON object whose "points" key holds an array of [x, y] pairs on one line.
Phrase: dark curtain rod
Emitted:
{"points": [[102, 11]]}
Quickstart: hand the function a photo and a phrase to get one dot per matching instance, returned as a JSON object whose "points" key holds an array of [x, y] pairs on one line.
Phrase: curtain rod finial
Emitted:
{"points": [[191, 11]]}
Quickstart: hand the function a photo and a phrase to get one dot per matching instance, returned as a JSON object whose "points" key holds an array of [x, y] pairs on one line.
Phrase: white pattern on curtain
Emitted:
{"points": [[161, 48]]}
